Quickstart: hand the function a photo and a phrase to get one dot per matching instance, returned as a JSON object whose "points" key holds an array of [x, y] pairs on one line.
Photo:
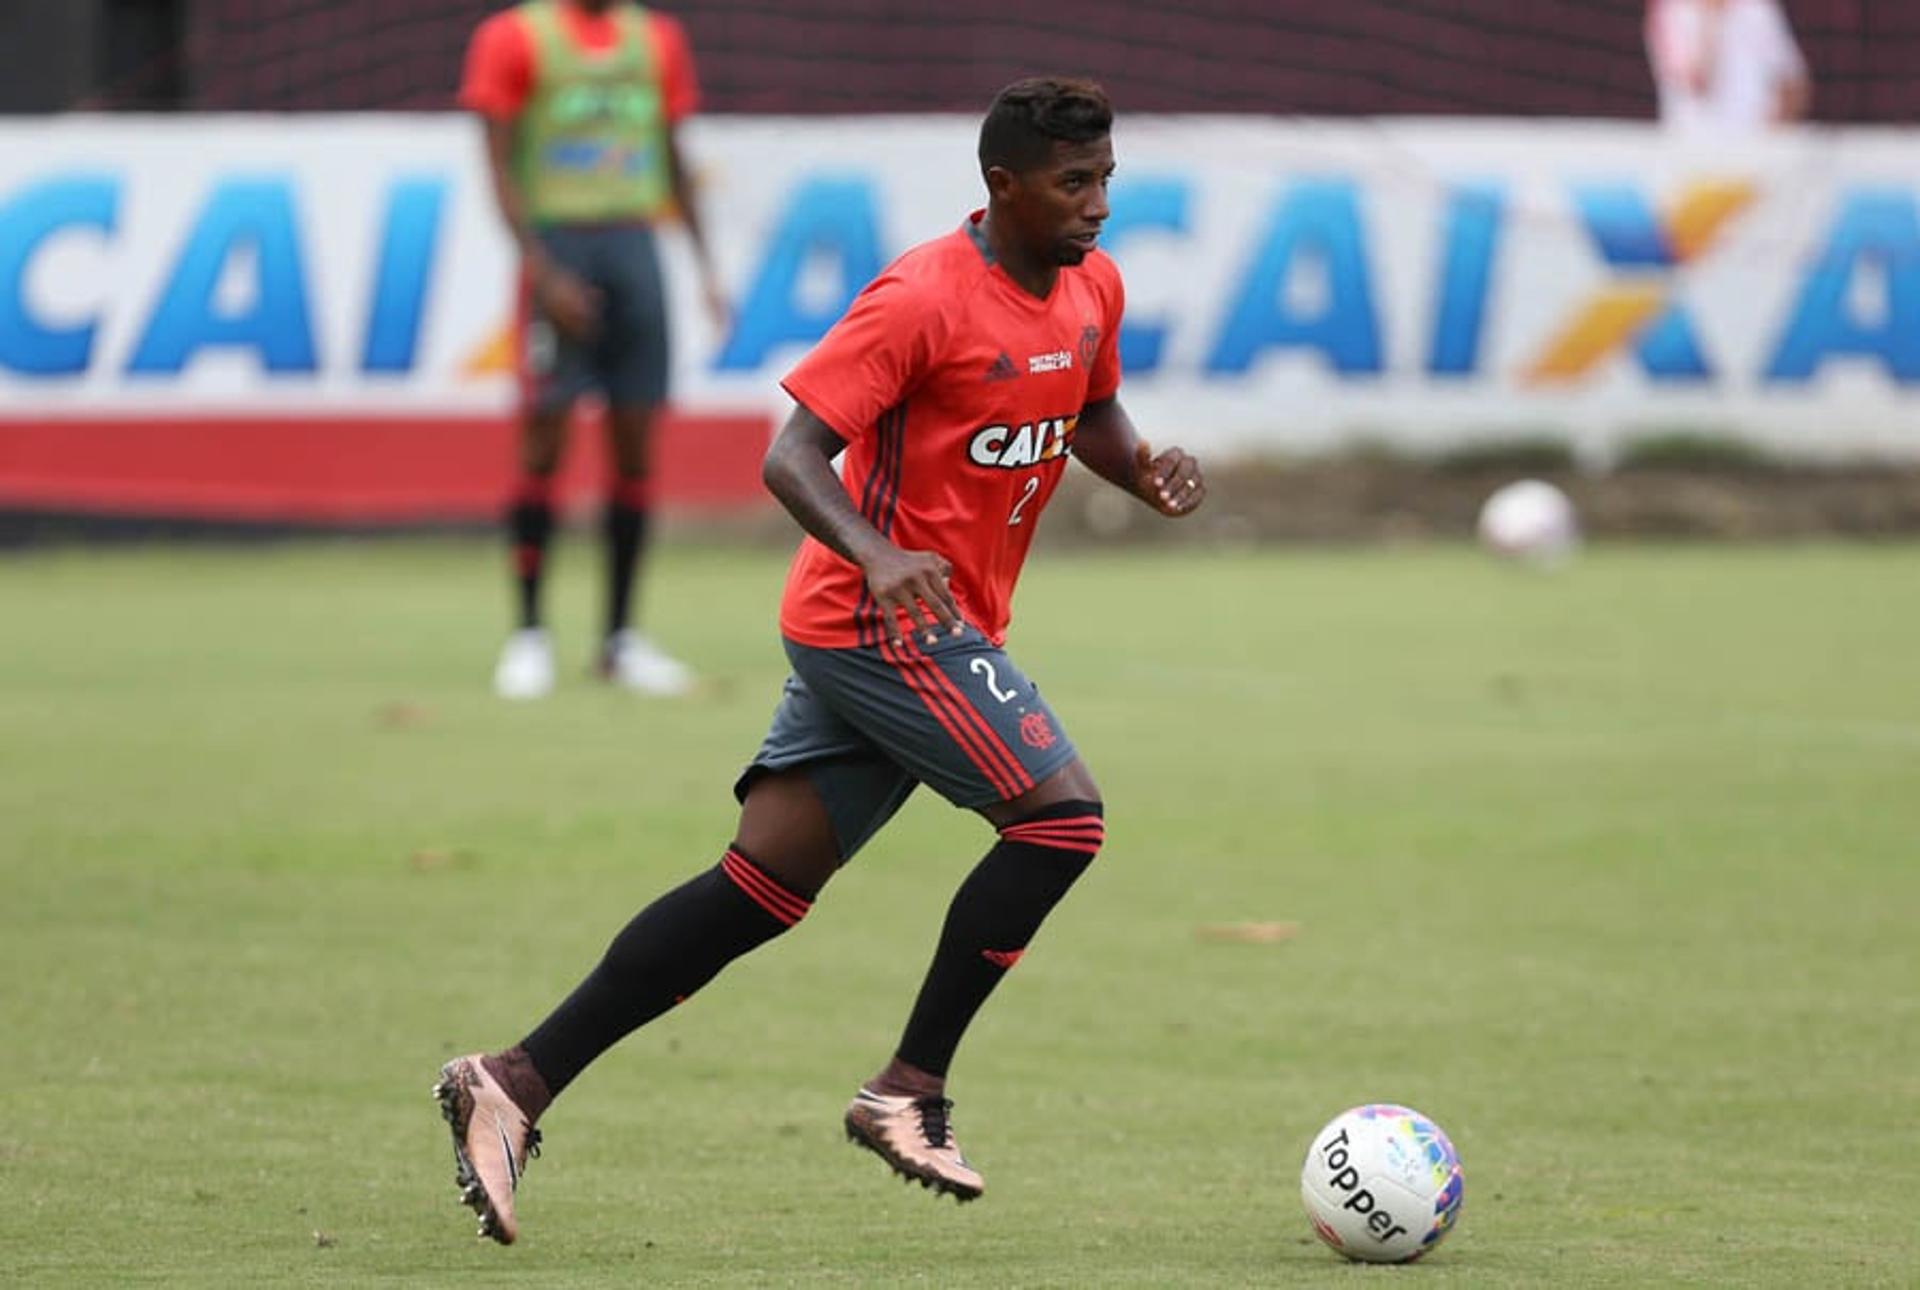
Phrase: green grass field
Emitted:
{"points": [[1615, 873]]}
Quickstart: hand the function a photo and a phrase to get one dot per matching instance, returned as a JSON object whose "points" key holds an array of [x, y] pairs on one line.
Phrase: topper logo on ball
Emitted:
{"points": [[1344, 1177]]}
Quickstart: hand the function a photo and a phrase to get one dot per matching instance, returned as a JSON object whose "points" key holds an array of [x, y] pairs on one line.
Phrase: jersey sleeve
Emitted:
{"points": [[871, 359], [679, 87], [498, 75], [1103, 381], [1785, 56]]}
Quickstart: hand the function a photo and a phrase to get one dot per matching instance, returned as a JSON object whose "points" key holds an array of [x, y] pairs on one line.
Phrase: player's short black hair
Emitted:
{"points": [[1028, 117]]}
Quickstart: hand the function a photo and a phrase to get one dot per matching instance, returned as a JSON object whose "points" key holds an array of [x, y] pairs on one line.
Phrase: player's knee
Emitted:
{"points": [[783, 893], [804, 871], [1076, 827]]}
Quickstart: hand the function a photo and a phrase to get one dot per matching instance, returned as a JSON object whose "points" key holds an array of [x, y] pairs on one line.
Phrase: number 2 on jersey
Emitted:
{"points": [[1026, 495]]}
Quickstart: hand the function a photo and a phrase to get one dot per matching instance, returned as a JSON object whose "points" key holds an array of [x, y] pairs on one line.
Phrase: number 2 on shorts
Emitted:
{"points": [[985, 668]]}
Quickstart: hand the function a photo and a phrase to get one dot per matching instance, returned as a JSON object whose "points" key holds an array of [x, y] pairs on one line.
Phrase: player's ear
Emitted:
{"points": [[1001, 182]]}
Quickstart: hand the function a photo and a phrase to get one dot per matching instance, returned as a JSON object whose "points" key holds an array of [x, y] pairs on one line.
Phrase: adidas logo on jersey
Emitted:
{"points": [[1002, 368]]}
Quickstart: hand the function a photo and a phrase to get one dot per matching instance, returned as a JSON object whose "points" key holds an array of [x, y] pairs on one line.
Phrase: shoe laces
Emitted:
{"points": [[533, 1143], [935, 1126]]}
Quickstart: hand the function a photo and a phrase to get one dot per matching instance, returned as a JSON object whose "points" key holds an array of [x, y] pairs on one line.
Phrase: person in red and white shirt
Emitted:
{"points": [[954, 391], [1725, 66]]}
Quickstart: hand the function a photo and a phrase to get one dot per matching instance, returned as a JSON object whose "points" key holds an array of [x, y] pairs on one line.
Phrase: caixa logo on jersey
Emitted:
{"points": [[1017, 447], [244, 275]]}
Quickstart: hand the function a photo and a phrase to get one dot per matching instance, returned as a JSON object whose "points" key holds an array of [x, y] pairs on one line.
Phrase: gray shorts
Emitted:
{"points": [[627, 360], [871, 722]]}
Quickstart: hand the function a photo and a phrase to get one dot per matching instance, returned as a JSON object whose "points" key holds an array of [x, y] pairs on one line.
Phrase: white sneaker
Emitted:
{"points": [[525, 670], [633, 662]]}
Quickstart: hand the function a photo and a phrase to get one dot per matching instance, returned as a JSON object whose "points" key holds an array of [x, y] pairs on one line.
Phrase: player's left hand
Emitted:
{"points": [[1171, 482]]}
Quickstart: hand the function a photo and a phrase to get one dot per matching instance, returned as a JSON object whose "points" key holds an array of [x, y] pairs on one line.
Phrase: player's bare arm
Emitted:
{"points": [[573, 305], [798, 470], [685, 200], [1106, 443]]}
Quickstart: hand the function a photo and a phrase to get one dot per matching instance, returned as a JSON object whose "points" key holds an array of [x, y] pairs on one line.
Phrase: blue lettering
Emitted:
{"points": [[830, 219], [405, 269], [1668, 350], [1624, 227], [1466, 271], [276, 324], [1630, 235], [1138, 204], [1318, 220], [27, 345], [1877, 228]]}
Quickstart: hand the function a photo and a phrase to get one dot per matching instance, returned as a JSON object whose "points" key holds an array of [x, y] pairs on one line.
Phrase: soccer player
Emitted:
{"points": [[957, 385], [582, 102]]}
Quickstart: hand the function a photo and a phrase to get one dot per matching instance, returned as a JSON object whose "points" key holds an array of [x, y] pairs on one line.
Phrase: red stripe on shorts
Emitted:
{"points": [[988, 735], [913, 671]]}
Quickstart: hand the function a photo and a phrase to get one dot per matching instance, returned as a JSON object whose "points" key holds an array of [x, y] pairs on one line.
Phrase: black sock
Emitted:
{"points": [[627, 512], [670, 949], [993, 916], [530, 528]]}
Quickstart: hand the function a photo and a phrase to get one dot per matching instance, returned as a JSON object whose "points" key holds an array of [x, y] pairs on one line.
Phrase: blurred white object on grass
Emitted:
{"points": [[1529, 520]]}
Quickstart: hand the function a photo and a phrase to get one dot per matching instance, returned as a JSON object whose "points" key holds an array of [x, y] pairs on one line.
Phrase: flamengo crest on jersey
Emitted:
{"points": [[1016, 447]]}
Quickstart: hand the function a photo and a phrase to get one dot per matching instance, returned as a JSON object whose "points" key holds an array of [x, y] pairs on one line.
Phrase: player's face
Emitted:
{"points": [[1063, 204]]}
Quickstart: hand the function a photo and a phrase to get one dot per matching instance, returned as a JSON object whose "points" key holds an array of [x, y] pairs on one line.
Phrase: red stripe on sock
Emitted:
{"points": [[533, 490], [1056, 836], [1003, 958], [1050, 821], [1078, 833], [911, 672], [1091, 824], [762, 890], [760, 896], [746, 872], [1090, 844], [527, 559]]}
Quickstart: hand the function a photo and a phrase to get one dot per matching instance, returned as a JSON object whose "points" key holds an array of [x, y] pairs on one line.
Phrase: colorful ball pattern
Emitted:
{"points": [[1421, 1139]]}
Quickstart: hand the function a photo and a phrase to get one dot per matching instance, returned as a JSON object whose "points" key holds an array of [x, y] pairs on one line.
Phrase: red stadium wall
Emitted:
{"points": [[335, 471]]}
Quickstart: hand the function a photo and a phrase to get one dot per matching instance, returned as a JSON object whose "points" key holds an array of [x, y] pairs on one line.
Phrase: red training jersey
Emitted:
{"points": [[957, 392], [502, 60]]}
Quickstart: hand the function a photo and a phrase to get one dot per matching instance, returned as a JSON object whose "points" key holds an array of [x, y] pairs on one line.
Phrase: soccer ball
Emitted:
{"points": [[1529, 520], [1382, 1184]]}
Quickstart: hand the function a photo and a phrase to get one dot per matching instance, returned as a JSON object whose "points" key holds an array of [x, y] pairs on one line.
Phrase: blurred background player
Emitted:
{"points": [[581, 102], [1725, 66], [956, 385]]}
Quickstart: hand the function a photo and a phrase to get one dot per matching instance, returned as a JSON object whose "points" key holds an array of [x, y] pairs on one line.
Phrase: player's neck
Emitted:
{"points": [[1033, 276]]}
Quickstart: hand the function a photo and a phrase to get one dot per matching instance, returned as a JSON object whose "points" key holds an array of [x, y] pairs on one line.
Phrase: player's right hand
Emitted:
{"points": [[567, 299], [911, 589]]}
